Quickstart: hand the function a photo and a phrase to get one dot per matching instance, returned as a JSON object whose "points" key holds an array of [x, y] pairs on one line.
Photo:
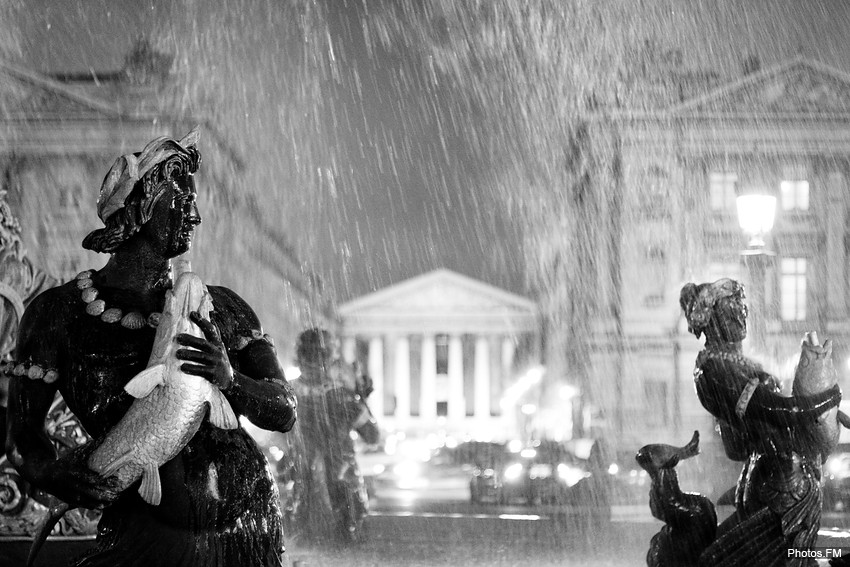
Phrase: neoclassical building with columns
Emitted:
{"points": [[447, 354]]}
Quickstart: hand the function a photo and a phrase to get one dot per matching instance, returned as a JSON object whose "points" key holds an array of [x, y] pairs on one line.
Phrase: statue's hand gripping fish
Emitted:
{"points": [[167, 412]]}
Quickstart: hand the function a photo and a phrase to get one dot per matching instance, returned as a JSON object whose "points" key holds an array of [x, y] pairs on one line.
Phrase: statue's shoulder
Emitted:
{"points": [[47, 316], [233, 311], [55, 302], [225, 299]]}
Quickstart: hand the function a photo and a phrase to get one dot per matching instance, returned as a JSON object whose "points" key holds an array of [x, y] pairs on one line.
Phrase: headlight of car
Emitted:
{"points": [[540, 470], [484, 473], [571, 475], [838, 467], [513, 472], [406, 470]]}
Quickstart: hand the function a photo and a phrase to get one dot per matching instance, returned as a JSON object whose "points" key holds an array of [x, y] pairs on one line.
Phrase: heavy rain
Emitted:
{"points": [[555, 170]]}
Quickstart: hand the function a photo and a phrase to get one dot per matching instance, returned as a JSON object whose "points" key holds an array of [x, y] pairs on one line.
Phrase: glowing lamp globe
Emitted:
{"points": [[756, 214]]}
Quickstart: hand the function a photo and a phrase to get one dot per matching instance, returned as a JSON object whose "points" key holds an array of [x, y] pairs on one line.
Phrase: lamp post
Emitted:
{"points": [[756, 214]]}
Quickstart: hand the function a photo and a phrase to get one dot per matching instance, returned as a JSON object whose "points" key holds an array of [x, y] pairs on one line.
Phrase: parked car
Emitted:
{"points": [[836, 480], [540, 473]]}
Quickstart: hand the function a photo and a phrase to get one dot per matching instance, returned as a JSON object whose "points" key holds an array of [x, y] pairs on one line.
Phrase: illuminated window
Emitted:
{"points": [[795, 195], [794, 190], [721, 187], [793, 289]]}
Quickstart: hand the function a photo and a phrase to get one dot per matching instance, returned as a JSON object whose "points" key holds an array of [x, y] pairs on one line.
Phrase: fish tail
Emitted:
{"points": [[691, 449], [54, 514]]}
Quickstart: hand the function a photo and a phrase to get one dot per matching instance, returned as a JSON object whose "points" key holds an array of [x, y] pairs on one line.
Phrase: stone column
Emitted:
{"points": [[482, 378], [834, 285], [376, 372], [402, 378], [507, 370], [508, 350], [428, 396], [457, 405], [349, 349]]}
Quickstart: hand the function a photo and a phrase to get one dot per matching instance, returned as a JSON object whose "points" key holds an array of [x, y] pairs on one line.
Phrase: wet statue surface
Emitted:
{"points": [[782, 441], [215, 502]]}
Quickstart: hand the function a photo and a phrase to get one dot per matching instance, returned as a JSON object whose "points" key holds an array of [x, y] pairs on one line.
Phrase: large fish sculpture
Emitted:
{"points": [[168, 408], [815, 373]]}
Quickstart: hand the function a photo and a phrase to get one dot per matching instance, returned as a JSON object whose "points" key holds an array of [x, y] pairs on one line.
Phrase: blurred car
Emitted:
{"points": [[409, 468], [629, 482], [541, 473], [382, 468], [836, 480]]}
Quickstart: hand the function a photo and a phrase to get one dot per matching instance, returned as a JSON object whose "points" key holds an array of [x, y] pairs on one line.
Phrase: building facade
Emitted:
{"points": [[783, 131], [449, 356], [58, 138]]}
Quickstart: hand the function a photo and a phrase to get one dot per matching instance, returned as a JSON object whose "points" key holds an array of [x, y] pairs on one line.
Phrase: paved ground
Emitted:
{"points": [[424, 542], [429, 540], [457, 535]]}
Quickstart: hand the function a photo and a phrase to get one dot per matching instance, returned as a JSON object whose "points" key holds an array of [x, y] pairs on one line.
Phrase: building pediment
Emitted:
{"points": [[30, 94], [799, 87], [441, 297]]}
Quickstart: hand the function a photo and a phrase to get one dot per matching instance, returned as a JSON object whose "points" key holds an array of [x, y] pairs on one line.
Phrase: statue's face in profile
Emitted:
{"points": [[174, 219], [730, 318]]}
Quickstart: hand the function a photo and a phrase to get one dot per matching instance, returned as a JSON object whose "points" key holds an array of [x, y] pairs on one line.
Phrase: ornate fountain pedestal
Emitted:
{"points": [[22, 510]]}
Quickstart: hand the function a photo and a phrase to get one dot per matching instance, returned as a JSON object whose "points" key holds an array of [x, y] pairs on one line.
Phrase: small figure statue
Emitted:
{"points": [[91, 336], [783, 440], [20, 282], [325, 472], [23, 509]]}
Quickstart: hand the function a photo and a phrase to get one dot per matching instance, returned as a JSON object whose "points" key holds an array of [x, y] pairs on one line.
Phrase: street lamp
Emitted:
{"points": [[756, 214]]}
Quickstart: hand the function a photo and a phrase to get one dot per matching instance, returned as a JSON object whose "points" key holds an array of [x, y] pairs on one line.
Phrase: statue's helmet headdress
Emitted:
{"points": [[697, 301], [135, 183]]}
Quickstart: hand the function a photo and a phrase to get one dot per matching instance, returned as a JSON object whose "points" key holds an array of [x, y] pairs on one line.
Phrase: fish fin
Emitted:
{"points": [[206, 305], [151, 487], [221, 414], [54, 514], [112, 466], [145, 381]]}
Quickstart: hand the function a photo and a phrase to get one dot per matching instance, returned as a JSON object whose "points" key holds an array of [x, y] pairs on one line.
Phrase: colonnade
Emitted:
{"points": [[389, 362]]}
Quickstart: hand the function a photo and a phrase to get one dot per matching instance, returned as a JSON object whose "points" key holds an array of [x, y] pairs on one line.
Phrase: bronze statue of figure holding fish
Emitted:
{"points": [[127, 341], [782, 439]]}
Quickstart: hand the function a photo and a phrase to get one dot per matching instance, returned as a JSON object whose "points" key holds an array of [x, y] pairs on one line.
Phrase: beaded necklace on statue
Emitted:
{"points": [[97, 307]]}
